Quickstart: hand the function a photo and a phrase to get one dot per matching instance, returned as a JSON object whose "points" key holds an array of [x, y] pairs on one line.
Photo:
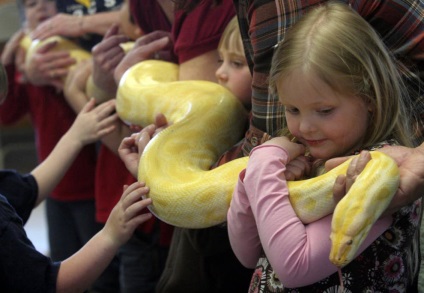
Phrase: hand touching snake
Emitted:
{"points": [[207, 120]]}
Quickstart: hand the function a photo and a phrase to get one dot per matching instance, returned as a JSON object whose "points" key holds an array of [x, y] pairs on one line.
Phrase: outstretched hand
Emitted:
{"points": [[92, 122], [132, 147], [128, 214]]}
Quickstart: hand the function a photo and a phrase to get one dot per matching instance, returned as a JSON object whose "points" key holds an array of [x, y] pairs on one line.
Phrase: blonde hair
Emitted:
{"points": [[231, 38], [343, 50]]}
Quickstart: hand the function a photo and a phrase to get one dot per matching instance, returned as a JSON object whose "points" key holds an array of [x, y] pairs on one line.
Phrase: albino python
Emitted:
{"points": [[206, 120]]}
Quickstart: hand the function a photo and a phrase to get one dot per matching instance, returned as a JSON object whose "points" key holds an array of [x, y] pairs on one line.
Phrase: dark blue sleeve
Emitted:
{"points": [[20, 190], [22, 267]]}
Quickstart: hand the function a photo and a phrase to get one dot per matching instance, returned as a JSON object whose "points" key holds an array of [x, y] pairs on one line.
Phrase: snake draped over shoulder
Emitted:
{"points": [[206, 120]]}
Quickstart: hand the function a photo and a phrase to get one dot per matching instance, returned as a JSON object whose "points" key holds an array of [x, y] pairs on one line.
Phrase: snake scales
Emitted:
{"points": [[206, 120]]}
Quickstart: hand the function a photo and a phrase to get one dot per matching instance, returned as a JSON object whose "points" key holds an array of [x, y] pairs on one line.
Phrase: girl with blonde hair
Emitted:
{"points": [[342, 94]]}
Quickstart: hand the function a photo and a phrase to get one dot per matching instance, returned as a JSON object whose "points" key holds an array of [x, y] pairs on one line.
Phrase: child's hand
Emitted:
{"points": [[127, 214], [293, 149], [132, 147], [299, 165], [298, 168], [92, 122]]}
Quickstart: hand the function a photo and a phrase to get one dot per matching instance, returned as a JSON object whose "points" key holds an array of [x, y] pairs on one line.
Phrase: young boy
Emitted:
{"points": [[23, 268]]}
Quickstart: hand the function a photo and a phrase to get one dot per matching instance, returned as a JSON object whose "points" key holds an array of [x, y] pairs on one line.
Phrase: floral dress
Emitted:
{"points": [[387, 265]]}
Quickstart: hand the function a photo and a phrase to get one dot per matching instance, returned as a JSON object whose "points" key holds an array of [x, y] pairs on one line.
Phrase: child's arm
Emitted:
{"points": [[299, 254], [80, 270], [91, 124], [75, 85]]}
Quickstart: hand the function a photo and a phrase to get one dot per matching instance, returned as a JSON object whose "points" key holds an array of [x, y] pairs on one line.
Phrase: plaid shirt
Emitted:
{"points": [[263, 23]]}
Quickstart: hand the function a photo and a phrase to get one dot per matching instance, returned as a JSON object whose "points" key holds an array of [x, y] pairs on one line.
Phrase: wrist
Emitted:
{"points": [[81, 23]]}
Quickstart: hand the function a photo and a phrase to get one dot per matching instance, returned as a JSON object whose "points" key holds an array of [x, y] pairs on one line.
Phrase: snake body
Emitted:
{"points": [[205, 121]]}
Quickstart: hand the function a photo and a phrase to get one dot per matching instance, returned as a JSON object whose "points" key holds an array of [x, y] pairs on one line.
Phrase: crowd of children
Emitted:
{"points": [[333, 84]]}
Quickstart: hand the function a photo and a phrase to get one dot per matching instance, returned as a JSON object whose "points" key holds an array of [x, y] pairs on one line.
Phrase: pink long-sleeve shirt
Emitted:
{"points": [[261, 217]]}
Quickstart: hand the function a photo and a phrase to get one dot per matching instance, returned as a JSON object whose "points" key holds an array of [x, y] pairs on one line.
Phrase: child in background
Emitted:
{"points": [[148, 247], [207, 250], [70, 207], [337, 83], [233, 72], [24, 269]]}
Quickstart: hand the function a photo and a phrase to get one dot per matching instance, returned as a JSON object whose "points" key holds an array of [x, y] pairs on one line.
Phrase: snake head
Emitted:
{"points": [[342, 250]]}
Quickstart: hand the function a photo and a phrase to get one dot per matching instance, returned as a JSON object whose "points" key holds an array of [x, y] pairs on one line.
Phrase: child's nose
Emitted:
{"points": [[306, 125], [221, 75]]}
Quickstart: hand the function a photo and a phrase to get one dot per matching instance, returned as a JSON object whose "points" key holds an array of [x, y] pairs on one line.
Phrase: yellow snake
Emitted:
{"points": [[206, 120]]}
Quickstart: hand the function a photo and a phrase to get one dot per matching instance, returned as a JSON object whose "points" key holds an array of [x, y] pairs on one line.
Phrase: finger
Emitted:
{"points": [[339, 188], [160, 120], [364, 158], [113, 30], [47, 47], [351, 173], [89, 106], [151, 37], [110, 43], [143, 141], [332, 163]]}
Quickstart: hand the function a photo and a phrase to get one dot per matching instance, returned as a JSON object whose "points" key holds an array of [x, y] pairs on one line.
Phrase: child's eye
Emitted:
{"points": [[237, 64], [291, 110], [30, 4], [325, 111], [220, 61]]}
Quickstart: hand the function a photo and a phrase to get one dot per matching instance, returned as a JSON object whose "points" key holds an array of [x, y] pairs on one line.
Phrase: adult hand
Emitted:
{"points": [[344, 182], [132, 147], [48, 67], [106, 57], [60, 24], [411, 168], [410, 162], [156, 45]]}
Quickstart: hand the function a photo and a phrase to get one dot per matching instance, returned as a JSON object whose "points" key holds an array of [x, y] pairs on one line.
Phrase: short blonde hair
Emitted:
{"points": [[231, 38], [343, 50]]}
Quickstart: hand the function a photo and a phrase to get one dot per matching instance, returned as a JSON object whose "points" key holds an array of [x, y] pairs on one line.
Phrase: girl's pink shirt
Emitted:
{"points": [[261, 217]]}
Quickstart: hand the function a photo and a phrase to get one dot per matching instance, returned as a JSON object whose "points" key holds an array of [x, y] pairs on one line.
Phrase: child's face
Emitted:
{"points": [[234, 74], [37, 11], [328, 123]]}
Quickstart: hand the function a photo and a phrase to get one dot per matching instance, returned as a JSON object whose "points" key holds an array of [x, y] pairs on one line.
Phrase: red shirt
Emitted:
{"points": [[51, 117]]}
